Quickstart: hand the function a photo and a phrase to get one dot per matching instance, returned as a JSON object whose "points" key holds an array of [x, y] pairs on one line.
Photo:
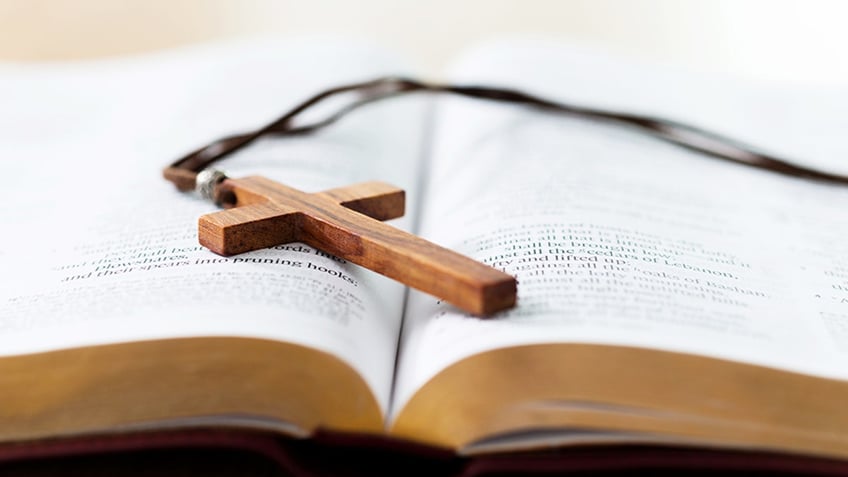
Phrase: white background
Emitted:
{"points": [[778, 40]]}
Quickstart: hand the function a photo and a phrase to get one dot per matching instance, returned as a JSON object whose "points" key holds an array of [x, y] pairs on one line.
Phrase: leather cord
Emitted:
{"points": [[183, 172]]}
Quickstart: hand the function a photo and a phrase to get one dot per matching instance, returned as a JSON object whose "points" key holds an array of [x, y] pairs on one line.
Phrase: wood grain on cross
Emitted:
{"points": [[346, 222]]}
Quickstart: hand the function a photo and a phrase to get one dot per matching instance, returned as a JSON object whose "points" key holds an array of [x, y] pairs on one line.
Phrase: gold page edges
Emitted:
{"points": [[97, 388], [678, 395]]}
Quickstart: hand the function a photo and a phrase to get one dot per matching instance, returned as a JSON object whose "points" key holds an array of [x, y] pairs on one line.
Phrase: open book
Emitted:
{"points": [[664, 297]]}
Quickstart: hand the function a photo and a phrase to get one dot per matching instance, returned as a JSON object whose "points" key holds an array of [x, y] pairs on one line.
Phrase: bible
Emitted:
{"points": [[665, 300]]}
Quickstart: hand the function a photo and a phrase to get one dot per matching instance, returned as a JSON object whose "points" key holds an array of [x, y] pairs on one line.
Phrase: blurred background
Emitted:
{"points": [[780, 40]]}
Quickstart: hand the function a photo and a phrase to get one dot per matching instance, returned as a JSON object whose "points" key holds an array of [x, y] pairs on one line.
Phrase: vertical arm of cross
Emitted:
{"points": [[405, 257], [423, 265]]}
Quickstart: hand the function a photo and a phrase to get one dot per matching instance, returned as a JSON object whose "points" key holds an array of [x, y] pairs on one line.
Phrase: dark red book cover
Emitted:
{"points": [[221, 452]]}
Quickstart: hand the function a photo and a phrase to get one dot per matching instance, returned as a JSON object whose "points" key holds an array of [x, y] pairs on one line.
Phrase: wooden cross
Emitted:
{"points": [[346, 222]]}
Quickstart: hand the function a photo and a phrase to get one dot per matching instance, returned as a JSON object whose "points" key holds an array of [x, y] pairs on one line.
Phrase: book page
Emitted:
{"points": [[98, 248], [617, 238]]}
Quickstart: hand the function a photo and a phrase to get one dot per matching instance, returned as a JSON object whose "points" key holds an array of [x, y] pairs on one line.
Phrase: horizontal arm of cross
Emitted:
{"points": [[250, 227], [377, 200]]}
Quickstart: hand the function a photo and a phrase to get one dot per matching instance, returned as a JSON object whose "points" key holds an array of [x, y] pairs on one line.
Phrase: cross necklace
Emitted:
{"points": [[346, 221]]}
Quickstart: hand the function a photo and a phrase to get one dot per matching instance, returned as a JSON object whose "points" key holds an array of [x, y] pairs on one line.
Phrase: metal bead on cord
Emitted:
{"points": [[206, 183]]}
